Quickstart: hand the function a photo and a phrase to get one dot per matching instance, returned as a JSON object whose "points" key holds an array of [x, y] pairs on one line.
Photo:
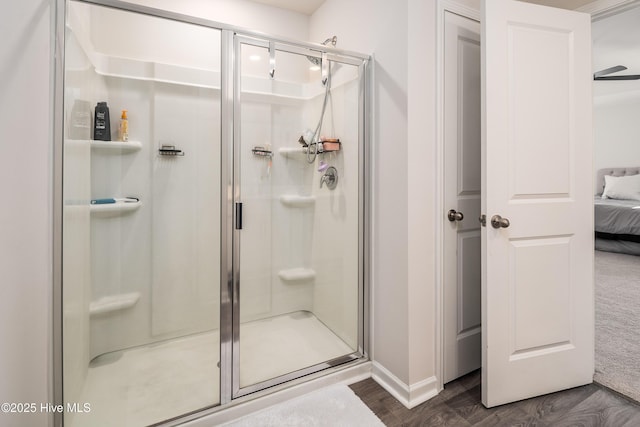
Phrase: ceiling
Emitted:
{"points": [[306, 7], [564, 4]]}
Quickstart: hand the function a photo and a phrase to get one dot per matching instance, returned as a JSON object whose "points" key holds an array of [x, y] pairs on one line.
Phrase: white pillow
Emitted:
{"points": [[621, 187]]}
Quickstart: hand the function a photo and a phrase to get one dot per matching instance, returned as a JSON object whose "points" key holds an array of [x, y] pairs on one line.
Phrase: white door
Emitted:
{"points": [[537, 284], [462, 195]]}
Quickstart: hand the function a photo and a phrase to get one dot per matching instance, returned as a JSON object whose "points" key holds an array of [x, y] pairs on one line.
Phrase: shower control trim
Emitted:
{"points": [[330, 178]]}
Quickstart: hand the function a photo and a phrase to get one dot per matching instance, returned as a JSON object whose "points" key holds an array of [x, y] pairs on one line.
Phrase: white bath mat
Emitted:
{"points": [[336, 405]]}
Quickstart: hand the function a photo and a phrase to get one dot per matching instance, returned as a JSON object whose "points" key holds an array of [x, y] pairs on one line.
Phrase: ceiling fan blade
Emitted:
{"points": [[629, 77], [609, 71]]}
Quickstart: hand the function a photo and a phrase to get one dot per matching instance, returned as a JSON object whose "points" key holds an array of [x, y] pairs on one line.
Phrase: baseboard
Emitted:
{"points": [[409, 395]]}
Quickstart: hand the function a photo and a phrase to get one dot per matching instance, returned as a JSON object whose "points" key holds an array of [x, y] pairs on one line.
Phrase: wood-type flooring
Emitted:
{"points": [[459, 405]]}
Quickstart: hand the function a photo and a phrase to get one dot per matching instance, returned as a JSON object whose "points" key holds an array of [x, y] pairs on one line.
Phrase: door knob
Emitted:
{"points": [[455, 216], [498, 222]]}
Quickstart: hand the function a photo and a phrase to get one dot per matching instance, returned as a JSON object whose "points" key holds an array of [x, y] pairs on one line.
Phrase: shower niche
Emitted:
{"points": [[233, 267]]}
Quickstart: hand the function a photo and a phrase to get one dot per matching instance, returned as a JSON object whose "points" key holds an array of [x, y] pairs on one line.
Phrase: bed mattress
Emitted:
{"points": [[617, 217], [617, 246], [617, 225]]}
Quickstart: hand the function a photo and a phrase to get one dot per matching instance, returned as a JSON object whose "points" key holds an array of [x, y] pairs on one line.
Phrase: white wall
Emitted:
{"points": [[240, 13], [421, 198], [25, 217], [617, 129], [616, 103]]}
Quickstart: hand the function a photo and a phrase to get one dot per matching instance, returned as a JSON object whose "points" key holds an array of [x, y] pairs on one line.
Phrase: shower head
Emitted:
{"points": [[333, 40], [315, 61], [330, 41]]}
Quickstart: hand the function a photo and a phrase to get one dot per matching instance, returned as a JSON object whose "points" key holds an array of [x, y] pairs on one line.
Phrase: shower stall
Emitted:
{"points": [[218, 249]]}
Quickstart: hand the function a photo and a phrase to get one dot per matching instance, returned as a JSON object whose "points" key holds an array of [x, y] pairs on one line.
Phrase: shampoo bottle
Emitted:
{"points": [[102, 124], [124, 127]]}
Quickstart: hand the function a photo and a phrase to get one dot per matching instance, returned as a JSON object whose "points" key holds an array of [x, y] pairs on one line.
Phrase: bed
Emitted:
{"points": [[617, 217]]}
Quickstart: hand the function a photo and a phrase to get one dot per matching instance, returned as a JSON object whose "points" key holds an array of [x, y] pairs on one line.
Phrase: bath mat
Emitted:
{"points": [[332, 406]]}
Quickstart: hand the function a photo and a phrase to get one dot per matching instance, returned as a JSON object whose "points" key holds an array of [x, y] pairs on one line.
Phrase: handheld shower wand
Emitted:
{"points": [[326, 81]]}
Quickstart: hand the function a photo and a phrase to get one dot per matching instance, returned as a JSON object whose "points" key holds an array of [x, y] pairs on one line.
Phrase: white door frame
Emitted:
{"points": [[598, 9]]}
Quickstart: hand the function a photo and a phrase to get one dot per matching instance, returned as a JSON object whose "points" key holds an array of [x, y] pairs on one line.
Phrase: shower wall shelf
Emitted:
{"points": [[293, 152], [297, 274], [170, 151], [295, 201], [114, 208], [116, 146], [262, 152], [113, 303]]}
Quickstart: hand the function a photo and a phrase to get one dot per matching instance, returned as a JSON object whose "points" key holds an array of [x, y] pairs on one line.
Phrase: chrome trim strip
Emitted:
{"points": [[369, 195], [57, 126], [242, 39], [237, 198], [300, 49], [150, 11], [298, 374], [362, 170], [363, 200], [226, 217]]}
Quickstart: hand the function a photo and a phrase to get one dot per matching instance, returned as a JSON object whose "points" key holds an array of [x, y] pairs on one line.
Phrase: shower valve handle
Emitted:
{"points": [[330, 178]]}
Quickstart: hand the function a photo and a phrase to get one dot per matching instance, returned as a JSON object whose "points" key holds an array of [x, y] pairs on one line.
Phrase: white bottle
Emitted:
{"points": [[80, 120]]}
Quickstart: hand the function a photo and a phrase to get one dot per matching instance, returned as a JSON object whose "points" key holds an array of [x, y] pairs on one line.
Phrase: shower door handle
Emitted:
{"points": [[238, 216]]}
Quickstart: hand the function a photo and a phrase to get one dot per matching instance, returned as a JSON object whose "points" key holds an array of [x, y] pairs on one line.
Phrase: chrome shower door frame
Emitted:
{"points": [[231, 37], [362, 63]]}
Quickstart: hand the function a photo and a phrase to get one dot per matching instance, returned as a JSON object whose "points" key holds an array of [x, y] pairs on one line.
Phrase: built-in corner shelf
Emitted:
{"points": [[114, 208], [297, 274], [113, 303], [295, 201], [293, 152], [116, 146]]}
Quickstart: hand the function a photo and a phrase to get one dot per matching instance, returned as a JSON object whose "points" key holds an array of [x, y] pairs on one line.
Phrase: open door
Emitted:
{"points": [[537, 245]]}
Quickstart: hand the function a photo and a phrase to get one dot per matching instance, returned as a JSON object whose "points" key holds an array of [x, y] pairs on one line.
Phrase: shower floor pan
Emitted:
{"points": [[149, 384]]}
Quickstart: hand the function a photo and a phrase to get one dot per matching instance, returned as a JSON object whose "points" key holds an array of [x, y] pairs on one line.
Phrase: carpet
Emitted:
{"points": [[336, 405], [617, 301]]}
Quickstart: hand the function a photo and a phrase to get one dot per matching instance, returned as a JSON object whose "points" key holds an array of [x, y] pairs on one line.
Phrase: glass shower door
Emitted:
{"points": [[298, 277], [141, 218]]}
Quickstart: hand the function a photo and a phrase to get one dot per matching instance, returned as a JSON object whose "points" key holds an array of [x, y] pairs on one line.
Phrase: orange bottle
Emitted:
{"points": [[124, 127]]}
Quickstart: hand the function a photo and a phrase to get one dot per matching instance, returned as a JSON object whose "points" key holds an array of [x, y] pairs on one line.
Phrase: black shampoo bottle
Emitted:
{"points": [[102, 125]]}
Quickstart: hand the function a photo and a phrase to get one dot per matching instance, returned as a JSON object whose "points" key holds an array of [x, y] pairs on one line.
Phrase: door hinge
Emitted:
{"points": [[239, 216]]}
